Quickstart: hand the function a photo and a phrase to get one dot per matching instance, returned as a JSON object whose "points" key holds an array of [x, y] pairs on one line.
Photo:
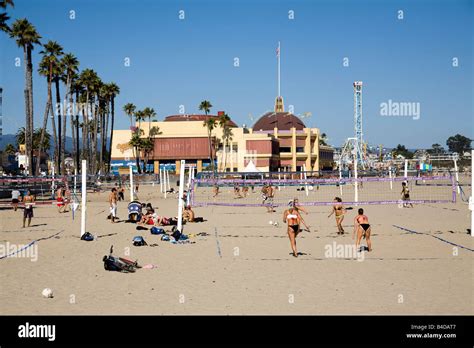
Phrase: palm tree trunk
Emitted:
{"points": [[30, 102], [63, 155], [71, 113], [55, 135], [96, 135], [137, 159], [58, 108], [77, 132], [85, 130], [112, 122], [43, 130], [27, 108]]}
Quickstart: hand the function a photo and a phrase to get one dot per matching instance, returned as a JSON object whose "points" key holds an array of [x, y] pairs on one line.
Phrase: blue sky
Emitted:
{"points": [[181, 62]]}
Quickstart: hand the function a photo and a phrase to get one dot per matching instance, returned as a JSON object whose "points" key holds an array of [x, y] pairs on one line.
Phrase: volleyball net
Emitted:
{"points": [[238, 192], [42, 188]]}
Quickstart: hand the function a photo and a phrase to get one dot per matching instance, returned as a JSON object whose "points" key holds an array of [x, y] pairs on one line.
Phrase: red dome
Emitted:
{"points": [[280, 120]]}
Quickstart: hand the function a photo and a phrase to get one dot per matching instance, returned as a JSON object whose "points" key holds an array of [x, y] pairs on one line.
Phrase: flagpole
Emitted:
{"points": [[279, 68]]}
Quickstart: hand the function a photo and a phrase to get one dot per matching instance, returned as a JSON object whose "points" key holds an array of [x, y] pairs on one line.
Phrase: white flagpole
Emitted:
{"points": [[180, 196], [390, 176], [131, 183], [279, 53], [161, 182], [471, 199], [83, 194]]}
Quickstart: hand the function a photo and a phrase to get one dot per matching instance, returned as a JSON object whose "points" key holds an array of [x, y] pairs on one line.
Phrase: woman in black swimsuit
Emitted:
{"points": [[292, 217], [362, 226]]}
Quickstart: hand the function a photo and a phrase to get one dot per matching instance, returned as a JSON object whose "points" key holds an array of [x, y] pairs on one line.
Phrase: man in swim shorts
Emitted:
{"points": [[113, 204], [29, 201]]}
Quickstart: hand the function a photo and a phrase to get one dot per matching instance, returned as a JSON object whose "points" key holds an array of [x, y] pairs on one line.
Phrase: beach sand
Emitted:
{"points": [[254, 273]]}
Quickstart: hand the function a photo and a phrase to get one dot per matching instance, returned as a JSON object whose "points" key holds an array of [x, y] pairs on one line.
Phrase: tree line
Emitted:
{"points": [[85, 95]]}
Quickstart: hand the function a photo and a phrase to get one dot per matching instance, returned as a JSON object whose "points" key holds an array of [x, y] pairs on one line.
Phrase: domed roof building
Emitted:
{"points": [[280, 120]]}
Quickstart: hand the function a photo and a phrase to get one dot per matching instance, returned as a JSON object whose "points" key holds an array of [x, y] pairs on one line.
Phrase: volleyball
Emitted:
{"points": [[47, 293]]}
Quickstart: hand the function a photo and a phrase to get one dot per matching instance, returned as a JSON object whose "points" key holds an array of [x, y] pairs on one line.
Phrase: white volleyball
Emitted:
{"points": [[270, 222], [48, 293]]}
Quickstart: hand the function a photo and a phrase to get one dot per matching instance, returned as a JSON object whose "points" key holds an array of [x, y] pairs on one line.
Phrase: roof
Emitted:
{"points": [[197, 117], [280, 120]]}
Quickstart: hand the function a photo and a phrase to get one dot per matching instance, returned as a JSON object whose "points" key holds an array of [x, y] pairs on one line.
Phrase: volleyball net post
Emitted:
{"points": [[471, 199], [131, 184], [84, 197], [180, 195]]}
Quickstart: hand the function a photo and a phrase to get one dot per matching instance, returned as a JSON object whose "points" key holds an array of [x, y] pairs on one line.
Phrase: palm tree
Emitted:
{"points": [[105, 95], [70, 65], [323, 139], [149, 146], [3, 16], [96, 88], [210, 124], [77, 89], [136, 143], [10, 149], [129, 110], [26, 37], [223, 121], [38, 142], [51, 51], [114, 91], [87, 79]]}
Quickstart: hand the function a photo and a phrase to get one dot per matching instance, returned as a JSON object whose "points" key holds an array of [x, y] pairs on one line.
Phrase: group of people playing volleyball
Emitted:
{"points": [[292, 217]]}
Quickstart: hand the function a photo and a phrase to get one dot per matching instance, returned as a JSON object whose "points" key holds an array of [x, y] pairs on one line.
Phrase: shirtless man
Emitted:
{"points": [[268, 193], [113, 204], [361, 225], [29, 201]]}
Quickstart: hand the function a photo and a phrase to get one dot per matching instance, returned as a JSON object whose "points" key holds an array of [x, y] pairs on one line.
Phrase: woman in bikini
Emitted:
{"points": [[292, 217], [362, 226], [338, 210]]}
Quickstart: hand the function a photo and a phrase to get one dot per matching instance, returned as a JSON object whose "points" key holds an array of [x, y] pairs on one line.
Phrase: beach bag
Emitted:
{"points": [[139, 241], [87, 237], [156, 230], [176, 234]]}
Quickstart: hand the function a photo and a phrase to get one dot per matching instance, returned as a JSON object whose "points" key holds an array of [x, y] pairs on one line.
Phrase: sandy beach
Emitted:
{"points": [[243, 265]]}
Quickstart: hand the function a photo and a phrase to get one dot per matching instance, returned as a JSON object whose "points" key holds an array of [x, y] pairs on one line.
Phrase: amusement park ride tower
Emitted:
{"points": [[354, 147]]}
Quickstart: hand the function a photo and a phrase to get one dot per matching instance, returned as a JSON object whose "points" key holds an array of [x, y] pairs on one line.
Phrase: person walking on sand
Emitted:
{"points": [[363, 229], [338, 210], [292, 218], [16, 195], [60, 200], [29, 201], [268, 194], [113, 204], [405, 195]]}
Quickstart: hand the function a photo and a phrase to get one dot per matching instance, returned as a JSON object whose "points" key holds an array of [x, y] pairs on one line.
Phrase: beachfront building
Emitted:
{"points": [[279, 140]]}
